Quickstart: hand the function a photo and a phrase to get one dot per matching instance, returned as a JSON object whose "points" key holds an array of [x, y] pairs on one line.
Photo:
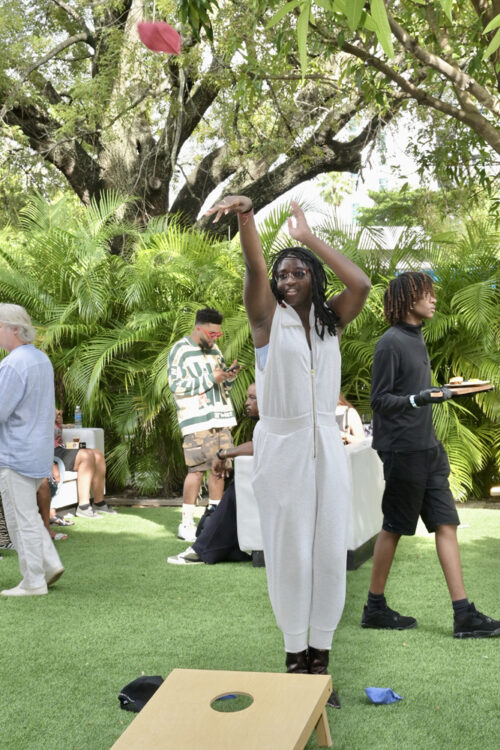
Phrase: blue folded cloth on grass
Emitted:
{"points": [[382, 695]]}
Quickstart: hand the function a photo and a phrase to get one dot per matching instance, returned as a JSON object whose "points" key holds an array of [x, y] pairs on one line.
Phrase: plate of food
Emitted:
{"points": [[459, 382], [461, 387]]}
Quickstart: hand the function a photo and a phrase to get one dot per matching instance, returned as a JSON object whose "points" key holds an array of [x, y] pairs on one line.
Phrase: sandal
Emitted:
{"points": [[59, 521], [58, 537]]}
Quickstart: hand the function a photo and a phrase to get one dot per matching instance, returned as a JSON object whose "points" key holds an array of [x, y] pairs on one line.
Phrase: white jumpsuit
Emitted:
{"points": [[302, 481]]}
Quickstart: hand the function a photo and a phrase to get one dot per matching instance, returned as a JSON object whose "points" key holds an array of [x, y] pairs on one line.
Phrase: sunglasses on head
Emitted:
{"points": [[212, 334]]}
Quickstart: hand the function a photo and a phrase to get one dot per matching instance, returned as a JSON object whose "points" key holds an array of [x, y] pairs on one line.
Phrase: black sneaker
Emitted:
{"points": [[386, 619], [334, 700], [475, 625]]}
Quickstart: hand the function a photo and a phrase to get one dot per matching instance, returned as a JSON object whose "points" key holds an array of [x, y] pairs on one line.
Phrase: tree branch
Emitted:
{"points": [[321, 153], [69, 157], [473, 119], [80, 37], [460, 80], [213, 169], [71, 12], [198, 103]]}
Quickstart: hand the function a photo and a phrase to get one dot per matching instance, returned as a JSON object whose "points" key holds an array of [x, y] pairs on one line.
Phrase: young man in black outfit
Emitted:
{"points": [[416, 467]]}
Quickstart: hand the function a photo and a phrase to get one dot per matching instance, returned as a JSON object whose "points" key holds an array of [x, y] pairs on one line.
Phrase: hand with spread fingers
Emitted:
{"points": [[231, 204], [300, 231]]}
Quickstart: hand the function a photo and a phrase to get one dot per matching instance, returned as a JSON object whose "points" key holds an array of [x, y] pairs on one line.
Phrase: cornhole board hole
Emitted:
{"points": [[284, 712]]}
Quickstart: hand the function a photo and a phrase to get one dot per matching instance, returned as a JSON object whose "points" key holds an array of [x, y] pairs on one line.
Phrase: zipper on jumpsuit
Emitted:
{"points": [[313, 387]]}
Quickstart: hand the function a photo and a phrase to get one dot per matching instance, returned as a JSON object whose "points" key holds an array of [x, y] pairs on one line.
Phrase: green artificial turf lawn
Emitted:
{"points": [[120, 611]]}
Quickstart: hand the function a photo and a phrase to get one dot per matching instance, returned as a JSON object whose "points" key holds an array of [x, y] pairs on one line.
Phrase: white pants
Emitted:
{"points": [[36, 551], [303, 489]]}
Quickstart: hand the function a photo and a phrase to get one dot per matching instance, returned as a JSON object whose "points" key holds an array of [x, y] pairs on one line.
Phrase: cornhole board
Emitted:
{"points": [[286, 709]]}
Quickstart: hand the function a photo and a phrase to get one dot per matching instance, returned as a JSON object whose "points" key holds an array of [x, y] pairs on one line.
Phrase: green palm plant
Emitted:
{"points": [[108, 323], [110, 332], [463, 337]]}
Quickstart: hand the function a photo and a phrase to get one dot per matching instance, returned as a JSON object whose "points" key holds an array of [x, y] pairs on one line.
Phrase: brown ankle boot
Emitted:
{"points": [[318, 664], [297, 663], [318, 660]]}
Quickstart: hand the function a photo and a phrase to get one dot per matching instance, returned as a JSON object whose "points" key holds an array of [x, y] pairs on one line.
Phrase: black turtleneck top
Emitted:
{"points": [[401, 367]]}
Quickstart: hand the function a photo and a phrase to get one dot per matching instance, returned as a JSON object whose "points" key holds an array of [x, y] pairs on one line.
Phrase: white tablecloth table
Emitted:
{"points": [[366, 515]]}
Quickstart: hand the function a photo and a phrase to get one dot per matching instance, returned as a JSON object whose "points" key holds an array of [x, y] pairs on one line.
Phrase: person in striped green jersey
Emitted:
{"points": [[201, 383]]}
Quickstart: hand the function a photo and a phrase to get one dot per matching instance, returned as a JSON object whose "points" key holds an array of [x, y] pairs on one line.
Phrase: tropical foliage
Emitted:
{"points": [[463, 338], [432, 210], [80, 94], [108, 323]]}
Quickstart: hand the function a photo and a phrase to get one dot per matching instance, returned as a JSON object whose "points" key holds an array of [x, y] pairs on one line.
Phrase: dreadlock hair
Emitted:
{"points": [[324, 317], [402, 293], [208, 315]]}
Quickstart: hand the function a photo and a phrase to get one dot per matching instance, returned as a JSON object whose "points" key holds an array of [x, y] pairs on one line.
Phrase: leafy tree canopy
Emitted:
{"points": [[79, 91], [433, 210], [442, 55]]}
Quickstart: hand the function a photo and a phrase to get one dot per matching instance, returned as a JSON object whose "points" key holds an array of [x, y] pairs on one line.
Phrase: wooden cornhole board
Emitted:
{"points": [[285, 710]]}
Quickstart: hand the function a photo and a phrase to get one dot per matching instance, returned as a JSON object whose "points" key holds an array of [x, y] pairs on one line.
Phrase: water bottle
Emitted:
{"points": [[78, 417]]}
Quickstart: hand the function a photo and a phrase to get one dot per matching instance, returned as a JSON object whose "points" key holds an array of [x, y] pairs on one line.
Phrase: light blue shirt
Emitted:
{"points": [[261, 356], [27, 412]]}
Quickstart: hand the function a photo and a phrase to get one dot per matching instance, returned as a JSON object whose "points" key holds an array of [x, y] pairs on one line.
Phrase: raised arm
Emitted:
{"points": [[349, 303], [259, 300]]}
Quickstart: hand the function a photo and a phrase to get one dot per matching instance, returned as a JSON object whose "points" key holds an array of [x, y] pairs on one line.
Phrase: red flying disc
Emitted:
{"points": [[159, 37]]}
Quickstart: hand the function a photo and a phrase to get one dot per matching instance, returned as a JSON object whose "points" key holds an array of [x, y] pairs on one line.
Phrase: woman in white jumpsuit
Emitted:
{"points": [[301, 476]]}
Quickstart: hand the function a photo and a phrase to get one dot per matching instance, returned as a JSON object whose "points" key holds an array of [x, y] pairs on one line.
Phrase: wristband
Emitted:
{"points": [[244, 216], [218, 454], [412, 402]]}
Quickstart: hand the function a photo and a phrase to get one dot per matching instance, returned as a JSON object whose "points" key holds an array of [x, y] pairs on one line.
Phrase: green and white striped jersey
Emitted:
{"points": [[201, 402]]}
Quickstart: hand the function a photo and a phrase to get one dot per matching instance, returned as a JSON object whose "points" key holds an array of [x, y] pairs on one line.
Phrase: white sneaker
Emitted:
{"points": [[20, 591], [188, 557], [187, 531]]}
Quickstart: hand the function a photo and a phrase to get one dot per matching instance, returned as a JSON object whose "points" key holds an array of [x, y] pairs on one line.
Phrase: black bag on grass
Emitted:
{"points": [[136, 694]]}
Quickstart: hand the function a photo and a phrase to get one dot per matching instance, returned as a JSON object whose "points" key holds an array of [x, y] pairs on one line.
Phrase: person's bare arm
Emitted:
{"points": [[219, 466], [259, 300], [349, 303], [355, 429]]}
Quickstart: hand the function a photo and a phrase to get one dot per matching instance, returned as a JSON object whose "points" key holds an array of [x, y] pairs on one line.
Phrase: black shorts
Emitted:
{"points": [[67, 456], [416, 484]]}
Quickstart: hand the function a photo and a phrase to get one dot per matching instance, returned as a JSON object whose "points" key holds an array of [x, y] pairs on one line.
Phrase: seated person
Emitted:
{"points": [[218, 541], [44, 495], [352, 429], [90, 466]]}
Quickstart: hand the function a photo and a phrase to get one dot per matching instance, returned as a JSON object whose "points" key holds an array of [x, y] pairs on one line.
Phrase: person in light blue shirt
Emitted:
{"points": [[27, 410]]}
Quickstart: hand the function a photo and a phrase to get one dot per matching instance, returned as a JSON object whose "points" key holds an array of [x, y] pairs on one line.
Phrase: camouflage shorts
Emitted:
{"points": [[200, 448]]}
